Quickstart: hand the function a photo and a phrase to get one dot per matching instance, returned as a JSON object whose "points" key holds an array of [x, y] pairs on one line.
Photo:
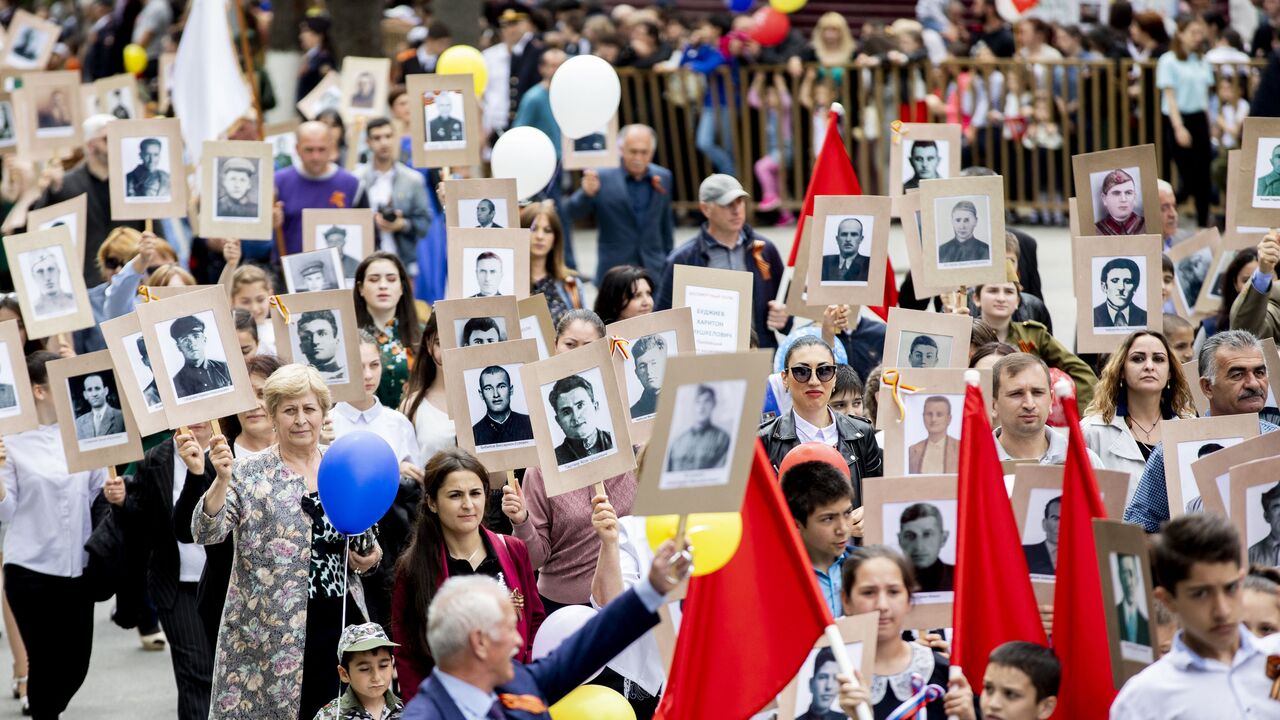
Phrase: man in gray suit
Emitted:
{"points": [[102, 419], [632, 205], [404, 197]]}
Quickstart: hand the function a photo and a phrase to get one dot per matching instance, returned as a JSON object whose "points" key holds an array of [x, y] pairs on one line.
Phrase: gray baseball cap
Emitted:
{"points": [[720, 189]]}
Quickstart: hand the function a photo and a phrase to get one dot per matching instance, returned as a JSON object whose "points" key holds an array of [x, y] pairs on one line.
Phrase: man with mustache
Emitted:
{"points": [[1233, 376]]}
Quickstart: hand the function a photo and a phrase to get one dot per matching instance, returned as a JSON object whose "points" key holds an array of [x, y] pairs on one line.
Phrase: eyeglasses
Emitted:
{"points": [[802, 373]]}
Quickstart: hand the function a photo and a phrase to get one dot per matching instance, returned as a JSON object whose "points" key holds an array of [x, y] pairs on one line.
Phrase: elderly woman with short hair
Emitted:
{"points": [[284, 608]]}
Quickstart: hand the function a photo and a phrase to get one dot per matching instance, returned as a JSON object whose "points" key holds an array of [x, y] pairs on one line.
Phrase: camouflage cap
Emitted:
{"points": [[365, 636]]}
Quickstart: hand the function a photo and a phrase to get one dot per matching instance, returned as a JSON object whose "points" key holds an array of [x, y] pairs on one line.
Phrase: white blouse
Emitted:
{"points": [[435, 430]]}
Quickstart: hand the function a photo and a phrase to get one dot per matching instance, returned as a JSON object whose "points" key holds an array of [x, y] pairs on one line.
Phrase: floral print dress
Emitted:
{"points": [[258, 664], [397, 360]]}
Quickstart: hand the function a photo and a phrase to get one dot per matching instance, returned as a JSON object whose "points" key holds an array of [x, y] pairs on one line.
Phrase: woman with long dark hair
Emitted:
{"points": [[548, 273], [317, 53], [450, 540], [626, 291], [425, 402], [385, 307]]}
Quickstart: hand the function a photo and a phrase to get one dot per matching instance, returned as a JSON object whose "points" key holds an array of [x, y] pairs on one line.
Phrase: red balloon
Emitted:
{"points": [[770, 28], [1057, 416], [811, 451]]}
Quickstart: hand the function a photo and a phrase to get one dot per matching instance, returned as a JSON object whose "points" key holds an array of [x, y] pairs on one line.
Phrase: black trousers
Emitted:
{"points": [[1193, 163], [191, 653], [56, 615]]}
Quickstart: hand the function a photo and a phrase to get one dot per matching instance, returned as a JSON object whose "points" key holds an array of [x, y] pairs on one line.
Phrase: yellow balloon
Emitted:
{"points": [[787, 6], [592, 702], [713, 537], [463, 60], [135, 58]]}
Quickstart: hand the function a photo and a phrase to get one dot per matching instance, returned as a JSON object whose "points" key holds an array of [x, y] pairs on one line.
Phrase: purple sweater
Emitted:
{"points": [[298, 193]]}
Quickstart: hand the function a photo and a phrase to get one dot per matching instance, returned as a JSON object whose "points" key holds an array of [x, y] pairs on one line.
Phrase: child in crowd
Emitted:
{"points": [[251, 290], [246, 332], [1181, 336], [1168, 284], [366, 664], [846, 396], [775, 103], [1165, 626], [1021, 682], [1261, 605], [820, 499], [1228, 120]]}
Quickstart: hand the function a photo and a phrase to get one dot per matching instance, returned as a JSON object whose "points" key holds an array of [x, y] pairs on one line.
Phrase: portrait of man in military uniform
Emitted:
{"points": [[501, 423], [199, 374], [576, 407], [148, 179], [1269, 184], [8, 397], [45, 288], [320, 342], [704, 445], [443, 126], [338, 236], [237, 188]]}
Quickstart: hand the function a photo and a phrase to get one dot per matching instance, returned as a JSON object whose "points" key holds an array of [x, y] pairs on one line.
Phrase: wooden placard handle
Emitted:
{"points": [[512, 482], [682, 527], [599, 488], [146, 225]]}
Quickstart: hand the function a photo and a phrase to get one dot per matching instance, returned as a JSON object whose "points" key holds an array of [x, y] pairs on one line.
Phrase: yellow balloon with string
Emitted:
{"points": [[592, 702], [713, 537], [463, 60], [135, 58]]}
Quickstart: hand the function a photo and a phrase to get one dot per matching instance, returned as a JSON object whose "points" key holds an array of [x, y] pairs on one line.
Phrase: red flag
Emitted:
{"points": [[994, 602], [748, 626], [833, 175], [1079, 619]]}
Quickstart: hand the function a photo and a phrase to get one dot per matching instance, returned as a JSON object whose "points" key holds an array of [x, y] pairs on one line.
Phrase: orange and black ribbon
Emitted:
{"points": [[757, 252], [622, 346], [145, 293]]}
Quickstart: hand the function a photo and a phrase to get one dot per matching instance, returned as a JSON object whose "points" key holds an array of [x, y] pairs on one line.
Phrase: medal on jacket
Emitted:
{"points": [[528, 703], [517, 600]]}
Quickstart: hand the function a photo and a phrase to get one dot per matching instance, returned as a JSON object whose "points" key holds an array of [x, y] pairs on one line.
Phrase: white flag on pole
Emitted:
{"points": [[209, 92]]}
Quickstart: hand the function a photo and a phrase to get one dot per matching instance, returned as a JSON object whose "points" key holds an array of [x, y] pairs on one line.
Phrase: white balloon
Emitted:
{"points": [[558, 626], [585, 93], [526, 154]]}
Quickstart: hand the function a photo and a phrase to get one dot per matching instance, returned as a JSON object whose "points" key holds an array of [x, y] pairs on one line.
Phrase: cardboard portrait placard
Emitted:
{"points": [[1213, 472], [702, 440], [93, 416], [164, 293], [349, 230], [486, 203], [283, 139], [1211, 291], [488, 263], [164, 82], [721, 301], [319, 329], [364, 86], [1271, 355], [148, 179], [118, 97], [48, 113], [313, 271], [579, 420], [237, 188], [859, 635], [536, 325], [326, 95], [357, 140], [490, 402], [30, 42], [8, 124], [1116, 191], [848, 246], [1037, 507], [49, 282], [1256, 195], [132, 361], [74, 214], [1073, 217], [597, 150], [17, 404], [444, 120], [962, 221], [1190, 439], [1117, 289], [1125, 568], [794, 290], [906, 513], [919, 339], [195, 354], [934, 412], [1252, 490], [923, 151], [1192, 260], [1238, 236], [651, 339], [909, 211], [478, 321]]}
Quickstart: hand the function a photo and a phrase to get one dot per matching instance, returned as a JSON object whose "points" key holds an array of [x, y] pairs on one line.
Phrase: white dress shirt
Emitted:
{"points": [[390, 425], [46, 507], [190, 555], [380, 195], [808, 432]]}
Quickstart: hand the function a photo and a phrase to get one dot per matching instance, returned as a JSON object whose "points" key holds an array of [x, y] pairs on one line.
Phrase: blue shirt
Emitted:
{"points": [[725, 258], [535, 112], [471, 700], [1189, 79], [640, 192], [829, 583]]}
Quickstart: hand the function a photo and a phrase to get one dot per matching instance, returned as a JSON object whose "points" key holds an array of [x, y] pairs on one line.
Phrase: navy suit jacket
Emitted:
{"points": [[621, 623], [626, 239]]}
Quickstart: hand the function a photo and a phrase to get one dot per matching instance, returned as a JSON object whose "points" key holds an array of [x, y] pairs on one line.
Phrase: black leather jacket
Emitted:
{"points": [[857, 444]]}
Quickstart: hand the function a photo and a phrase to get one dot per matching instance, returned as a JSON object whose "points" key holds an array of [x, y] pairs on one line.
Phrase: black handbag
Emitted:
{"points": [[106, 552]]}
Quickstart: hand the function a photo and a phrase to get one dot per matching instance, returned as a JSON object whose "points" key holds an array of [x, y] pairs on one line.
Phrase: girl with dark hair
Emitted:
{"points": [[1239, 270], [626, 291], [425, 402], [385, 308], [548, 273], [449, 540]]}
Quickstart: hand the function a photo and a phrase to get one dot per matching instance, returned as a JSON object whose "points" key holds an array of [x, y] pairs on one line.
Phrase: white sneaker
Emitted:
{"points": [[153, 642]]}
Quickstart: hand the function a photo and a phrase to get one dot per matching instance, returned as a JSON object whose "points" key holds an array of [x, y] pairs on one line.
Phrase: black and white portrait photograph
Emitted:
{"points": [[191, 344], [931, 433], [1130, 606], [1040, 532], [925, 532], [9, 404], [1262, 524], [488, 272], [817, 689], [317, 339], [480, 331], [499, 410], [1217, 276], [120, 105], [1119, 293], [28, 45], [1118, 205], [924, 160], [71, 220], [644, 371], [963, 231], [284, 150], [924, 350], [593, 143], [147, 176], [95, 402], [703, 432], [581, 423], [1192, 450], [366, 90], [312, 271], [483, 213], [140, 361], [443, 116], [53, 112], [348, 240], [8, 131], [1191, 272], [48, 282], [846, 249], [1266, 174], [238, 179]]}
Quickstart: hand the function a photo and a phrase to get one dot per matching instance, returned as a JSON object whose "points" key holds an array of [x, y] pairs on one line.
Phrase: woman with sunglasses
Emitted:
{"points": [[808, 376]]}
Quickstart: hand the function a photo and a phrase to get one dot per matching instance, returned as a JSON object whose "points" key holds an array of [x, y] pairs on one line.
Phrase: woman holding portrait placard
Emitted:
{"points": [[385, 307]]}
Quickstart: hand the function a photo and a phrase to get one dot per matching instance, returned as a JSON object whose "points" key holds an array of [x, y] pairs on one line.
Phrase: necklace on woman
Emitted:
{"points": [[470, 559], [1147, 433]]}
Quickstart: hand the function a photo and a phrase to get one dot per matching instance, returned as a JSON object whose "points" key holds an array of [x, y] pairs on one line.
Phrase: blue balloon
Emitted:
{"points": [[739, 5], [358, 479]]}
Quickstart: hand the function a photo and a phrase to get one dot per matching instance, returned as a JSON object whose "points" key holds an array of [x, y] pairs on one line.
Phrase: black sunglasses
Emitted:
{"points": [[802, 373]]}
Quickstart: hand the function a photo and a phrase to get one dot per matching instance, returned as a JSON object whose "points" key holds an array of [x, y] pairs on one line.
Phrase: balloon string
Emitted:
{"points": [[346, 558]]}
